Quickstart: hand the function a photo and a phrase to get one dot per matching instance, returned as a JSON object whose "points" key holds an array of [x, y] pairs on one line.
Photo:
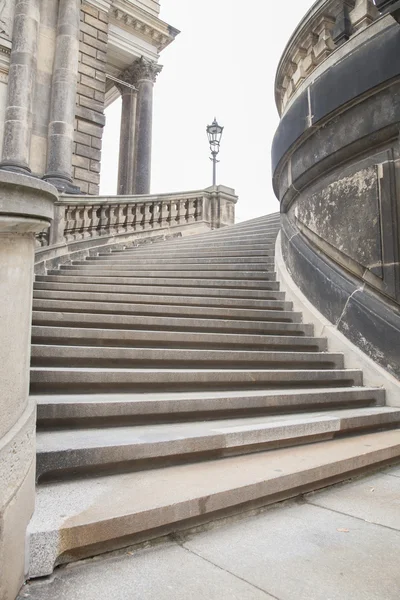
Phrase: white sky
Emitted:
{"points": [[222, 64]]}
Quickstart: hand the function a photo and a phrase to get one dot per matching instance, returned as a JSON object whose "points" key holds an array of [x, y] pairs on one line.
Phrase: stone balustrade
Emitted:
{"points": [[85, 217], [326, 26]]}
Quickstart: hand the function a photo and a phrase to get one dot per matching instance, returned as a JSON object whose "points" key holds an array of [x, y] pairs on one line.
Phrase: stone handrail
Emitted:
{"points": [[326, 26], [87, 217]]}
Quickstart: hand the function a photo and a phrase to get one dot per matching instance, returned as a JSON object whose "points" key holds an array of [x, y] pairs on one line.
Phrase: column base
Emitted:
{"points": [[15, 168], [62, 184]]}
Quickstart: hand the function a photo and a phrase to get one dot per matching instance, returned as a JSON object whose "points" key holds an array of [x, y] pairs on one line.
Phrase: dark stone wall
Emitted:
{"points": [[336, 161]]}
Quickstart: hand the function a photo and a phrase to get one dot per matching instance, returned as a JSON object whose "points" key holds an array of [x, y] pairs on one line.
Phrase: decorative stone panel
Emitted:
{"points": [[90, 119]]}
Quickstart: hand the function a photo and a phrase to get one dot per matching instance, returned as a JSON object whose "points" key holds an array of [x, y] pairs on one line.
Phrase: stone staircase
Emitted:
{"points": [[176, 385]]}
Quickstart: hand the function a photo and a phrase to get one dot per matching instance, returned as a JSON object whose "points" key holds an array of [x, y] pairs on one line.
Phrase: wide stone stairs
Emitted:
{"points": [[175, 385]]}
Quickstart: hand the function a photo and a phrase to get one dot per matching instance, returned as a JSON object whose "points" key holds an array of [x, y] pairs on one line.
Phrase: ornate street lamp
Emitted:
{"points": [[214, 132]]}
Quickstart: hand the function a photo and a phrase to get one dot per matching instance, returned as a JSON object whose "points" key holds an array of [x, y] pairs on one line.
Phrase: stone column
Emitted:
{"points": [[128, 128], [26, 207], [146, 76], [21, 82], [63, 98]]}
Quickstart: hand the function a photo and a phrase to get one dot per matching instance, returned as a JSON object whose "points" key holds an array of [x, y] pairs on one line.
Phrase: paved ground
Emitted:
{"points": [[339, 544]]}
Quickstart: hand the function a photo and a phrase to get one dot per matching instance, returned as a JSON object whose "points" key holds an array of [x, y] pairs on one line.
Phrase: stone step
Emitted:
{"points": [[126, 271], [77, 519], [161, 357], [92, 380], [113, 321], [139, 252], [91, 410], [47, 283], [206, 246], [72, 452], [207, 240], [235, 261], [253, 284], [129, 338], [159, 299], [154, 265], [130, 308]]}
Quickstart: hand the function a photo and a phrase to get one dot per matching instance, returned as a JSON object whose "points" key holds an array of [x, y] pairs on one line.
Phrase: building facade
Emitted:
{"points": [[61, 64]]}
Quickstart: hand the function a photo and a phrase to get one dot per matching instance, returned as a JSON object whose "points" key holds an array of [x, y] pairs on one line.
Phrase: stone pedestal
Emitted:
{"points": [[20, 196]]}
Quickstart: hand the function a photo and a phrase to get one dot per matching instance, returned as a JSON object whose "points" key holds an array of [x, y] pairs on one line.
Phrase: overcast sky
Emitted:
{"points": [[222, 64]]}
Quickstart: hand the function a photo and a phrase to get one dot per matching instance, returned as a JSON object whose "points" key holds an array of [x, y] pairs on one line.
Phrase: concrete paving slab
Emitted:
{"points": [[303, 552], [167, 573], [395, 472], [375, 500]]}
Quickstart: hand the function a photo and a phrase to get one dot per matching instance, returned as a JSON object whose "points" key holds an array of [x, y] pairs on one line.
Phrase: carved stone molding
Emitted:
{"points": [[155, 31], [139, 70], [328, 25], [6, 18]]}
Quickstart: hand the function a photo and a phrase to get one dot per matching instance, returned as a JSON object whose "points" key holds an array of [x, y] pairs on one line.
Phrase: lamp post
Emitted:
{"points": [[214, 132]]}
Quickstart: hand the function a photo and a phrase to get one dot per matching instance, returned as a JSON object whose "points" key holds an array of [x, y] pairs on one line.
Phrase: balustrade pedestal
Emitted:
{"points": [[26, 207]]}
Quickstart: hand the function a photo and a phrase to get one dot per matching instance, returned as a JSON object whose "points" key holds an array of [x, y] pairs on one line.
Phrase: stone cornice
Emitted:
{"points": [[150, 28]]}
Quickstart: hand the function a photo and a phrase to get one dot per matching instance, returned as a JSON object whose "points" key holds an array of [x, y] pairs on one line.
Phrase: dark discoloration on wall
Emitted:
{"points": [[339, 185]]}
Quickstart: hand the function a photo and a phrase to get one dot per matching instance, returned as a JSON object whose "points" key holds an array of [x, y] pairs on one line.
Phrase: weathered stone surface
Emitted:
{"points": [[26, 207]]}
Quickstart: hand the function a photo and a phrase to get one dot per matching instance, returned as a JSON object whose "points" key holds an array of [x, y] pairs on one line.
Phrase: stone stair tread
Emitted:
{"points": [[112, 354], [167, 309], [54, 284], [63, 333], [153, 434], [90, 379], [125, 272], [165, 397], [167, 405], [111, 320], [106, 512], [160, 299], [161, 281]]}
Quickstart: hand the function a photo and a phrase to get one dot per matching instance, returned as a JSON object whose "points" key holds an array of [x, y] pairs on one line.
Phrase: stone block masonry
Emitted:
{"points": [[90, 119]]}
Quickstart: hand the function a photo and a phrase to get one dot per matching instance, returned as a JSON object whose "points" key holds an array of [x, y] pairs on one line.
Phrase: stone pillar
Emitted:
{"points": [[21, 82], [126, 181], [146, 76], [63, 98], [26, 207]]}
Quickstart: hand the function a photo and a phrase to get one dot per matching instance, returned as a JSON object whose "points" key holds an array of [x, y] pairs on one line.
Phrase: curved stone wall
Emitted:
{"points": [[336, 163]]}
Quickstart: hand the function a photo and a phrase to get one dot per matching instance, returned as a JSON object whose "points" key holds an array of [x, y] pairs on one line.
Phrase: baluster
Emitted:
{"points": [[113, 220], [298, 58], [199, 209], [69, 223], [164, 217], [174, 215], [191, 211], [96, 215], [141, 217], [147, 222], [325, 45], [86, 222], [343, 29], [103, 220], [363, 14]]}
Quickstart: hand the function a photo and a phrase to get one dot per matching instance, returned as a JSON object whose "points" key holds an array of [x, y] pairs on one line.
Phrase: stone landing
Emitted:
{"points": [[341, 543]]}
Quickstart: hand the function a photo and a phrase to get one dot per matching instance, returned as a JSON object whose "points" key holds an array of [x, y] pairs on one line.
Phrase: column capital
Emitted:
{"points": [[147, 69], [140, 69]]}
